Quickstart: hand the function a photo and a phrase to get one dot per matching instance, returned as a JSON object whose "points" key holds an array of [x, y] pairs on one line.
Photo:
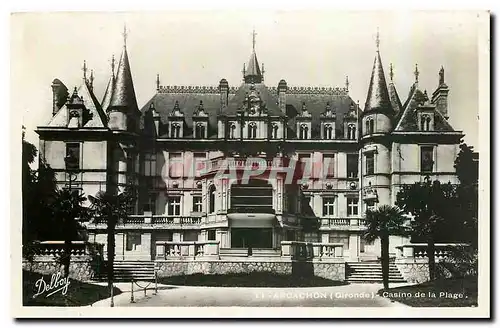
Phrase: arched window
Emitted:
{"points": [[211, 199], [367, 126], [176, 131], [422, 123], [252, 131], [232, 131], [372, 126], [427, 123], [351, 132], [200, 131], [303, 131], [274, 131], [328, 131]]}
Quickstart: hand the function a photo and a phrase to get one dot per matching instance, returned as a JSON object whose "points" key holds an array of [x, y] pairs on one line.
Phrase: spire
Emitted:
{"points": [[125, 34], [378, 95], [91, 80], [157, 82], [123, 93], [84, 69], [441, 76], [253, 73], [417, 73], [106, 99], [377, 41], [347, 83], [391, 72]]}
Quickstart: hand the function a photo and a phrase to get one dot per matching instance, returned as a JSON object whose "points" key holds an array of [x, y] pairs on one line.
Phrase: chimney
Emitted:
{"points": [[282, 87], [224, 93], [59, 95], [440, 96]]}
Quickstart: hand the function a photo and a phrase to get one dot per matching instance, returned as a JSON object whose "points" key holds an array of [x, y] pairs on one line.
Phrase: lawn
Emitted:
{"points": [[254, 279], [78, 294], [452, 292]]}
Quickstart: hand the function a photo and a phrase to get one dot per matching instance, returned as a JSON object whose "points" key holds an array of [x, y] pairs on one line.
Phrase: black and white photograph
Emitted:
{"points": [[193, 164]]}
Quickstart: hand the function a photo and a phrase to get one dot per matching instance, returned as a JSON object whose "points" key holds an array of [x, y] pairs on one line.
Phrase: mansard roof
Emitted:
{"points": [[189, 98], [408, 121]]}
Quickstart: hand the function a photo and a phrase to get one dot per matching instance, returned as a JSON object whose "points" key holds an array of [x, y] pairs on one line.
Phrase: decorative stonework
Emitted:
{"points": [[81, 268], [336, 91], [414, 272], [193, 89], [334, 271]]}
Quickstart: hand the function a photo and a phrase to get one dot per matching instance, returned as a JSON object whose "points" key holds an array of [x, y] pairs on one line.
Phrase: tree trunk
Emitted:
{"points": [[432, 259], [384, 252], [111, 255], [66, 260]]}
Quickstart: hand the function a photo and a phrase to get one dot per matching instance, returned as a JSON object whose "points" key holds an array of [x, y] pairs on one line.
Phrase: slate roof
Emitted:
{"points": [[97, 117], [408, 122], [189, 98], [123, 93], [378, 94]]}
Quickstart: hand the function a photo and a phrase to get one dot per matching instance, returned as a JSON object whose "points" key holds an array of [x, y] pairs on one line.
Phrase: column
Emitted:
{"points": [[146, 246]]}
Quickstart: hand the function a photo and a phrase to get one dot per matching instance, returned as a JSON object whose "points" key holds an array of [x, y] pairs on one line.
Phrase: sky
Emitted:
{"points": [[306, 48]]}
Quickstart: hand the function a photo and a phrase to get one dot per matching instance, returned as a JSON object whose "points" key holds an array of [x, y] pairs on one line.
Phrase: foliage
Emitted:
{"points": [[381, 223], [114, 208]]}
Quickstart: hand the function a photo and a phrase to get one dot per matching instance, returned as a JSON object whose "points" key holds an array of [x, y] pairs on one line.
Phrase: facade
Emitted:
{"points": [[248, 166]]}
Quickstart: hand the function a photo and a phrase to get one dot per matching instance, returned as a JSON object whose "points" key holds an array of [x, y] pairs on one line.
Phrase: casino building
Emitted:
{"points": [[342, 158]]}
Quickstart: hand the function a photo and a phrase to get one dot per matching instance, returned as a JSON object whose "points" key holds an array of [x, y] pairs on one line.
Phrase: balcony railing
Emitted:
{"points": [[186, 249], [252, 209], [341, 222], [57, 248], [418, 252], [299, 250], [164, 220]]}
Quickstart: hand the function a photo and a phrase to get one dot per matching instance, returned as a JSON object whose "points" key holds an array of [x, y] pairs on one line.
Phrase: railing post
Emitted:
{"points": [[156, 283], [132, 292]]}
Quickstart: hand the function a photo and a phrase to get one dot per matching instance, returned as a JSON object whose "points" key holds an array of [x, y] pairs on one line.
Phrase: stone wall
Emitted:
{"points": [[328, 270], [81, 268], [418, 272]]}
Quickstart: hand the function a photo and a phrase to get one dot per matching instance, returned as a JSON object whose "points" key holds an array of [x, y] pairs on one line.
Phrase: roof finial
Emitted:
{"points": [[417, 73], [157, 82], [113, 65], [263, 71], [253, 39], [124, 35], [377, 41], [391, 72], [244, 71], [347, 82], [84, 69], [91, 80], [441, 76]]}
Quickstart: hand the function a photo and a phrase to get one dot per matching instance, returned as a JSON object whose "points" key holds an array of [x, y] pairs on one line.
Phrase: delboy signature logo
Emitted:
{"points": [[57, 284]]}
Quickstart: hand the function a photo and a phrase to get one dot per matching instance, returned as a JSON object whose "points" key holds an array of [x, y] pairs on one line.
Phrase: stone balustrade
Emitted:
{"points": [[299, 250], [56, 248], [417, 252], [148, 220], [342, 222], [187, 249]]}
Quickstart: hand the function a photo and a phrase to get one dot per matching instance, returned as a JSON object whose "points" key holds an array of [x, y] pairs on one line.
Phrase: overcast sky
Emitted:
{"points": [[306, 48]]}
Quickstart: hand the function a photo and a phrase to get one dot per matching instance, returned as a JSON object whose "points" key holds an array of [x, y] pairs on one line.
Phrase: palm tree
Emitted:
{"points": [[381, 223], [67, 210], [114, 208]]}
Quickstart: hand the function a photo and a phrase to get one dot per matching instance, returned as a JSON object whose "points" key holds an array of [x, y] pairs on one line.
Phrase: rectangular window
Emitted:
{"points": [[352, 206], [133, 241], [197, 204], [175, 160], [211, 234], [150, 164], [150, 205], [198, 163], [328, 206], [370, 163], [340, 237], [306, 209], [352, 165], [303, 163], [190, 236], [426, 158], [174, 205], [72, 159], [329, 164]]}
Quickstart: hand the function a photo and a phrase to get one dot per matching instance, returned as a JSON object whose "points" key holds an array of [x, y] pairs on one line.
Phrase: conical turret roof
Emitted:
{"points": [[378, 95], [123, 95], [253, 73]]}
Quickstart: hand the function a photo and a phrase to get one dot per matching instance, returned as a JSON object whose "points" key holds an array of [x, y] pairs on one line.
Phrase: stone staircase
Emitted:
{"points": [[126, 270], [371, 272]]}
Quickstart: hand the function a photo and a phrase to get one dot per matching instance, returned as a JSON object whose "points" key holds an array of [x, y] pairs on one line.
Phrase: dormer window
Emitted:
{"points": [[426, 122], [351, 132], [232, 131], [175, 131], [200, 131], [274, 131], [252, 131], [328, 131], [303, 131]]}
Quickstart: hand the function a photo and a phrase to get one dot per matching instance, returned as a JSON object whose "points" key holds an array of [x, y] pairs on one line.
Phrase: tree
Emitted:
{"points": [[67, 208], [432, 206], [113, 208], [381, 223]]}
